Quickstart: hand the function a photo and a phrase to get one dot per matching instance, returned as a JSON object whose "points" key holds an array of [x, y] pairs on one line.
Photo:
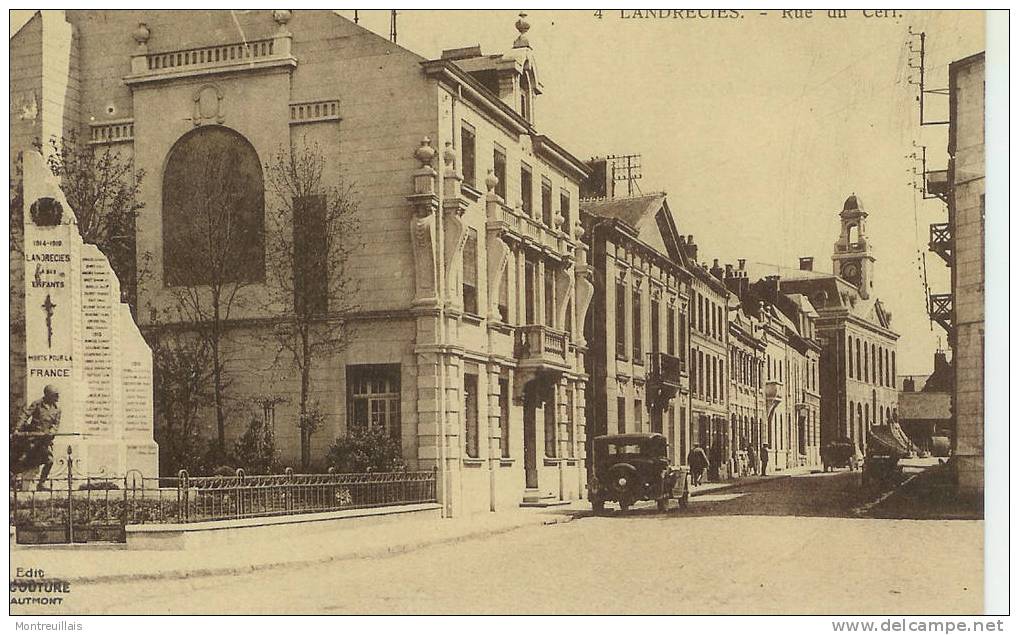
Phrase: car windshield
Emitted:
{"points": [[629, 448]]}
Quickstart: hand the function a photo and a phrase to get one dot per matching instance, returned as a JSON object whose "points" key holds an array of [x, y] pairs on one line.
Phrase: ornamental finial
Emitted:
{"points": [[141, 34], [491, 181], [523, 26], [425, 152], [449, 155]]}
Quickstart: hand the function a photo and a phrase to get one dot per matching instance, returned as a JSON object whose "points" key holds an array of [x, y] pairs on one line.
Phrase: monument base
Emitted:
{"points": [[102, 458]]}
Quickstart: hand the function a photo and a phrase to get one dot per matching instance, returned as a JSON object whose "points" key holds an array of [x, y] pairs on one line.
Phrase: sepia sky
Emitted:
{"points": [[757, 127]]}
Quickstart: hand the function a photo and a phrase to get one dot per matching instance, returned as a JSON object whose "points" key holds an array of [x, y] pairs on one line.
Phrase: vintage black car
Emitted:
{"points": [[635, 467], [840, 453]]}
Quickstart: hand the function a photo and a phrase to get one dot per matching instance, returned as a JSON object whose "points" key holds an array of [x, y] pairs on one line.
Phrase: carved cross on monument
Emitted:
{"points": [[48, 307]]}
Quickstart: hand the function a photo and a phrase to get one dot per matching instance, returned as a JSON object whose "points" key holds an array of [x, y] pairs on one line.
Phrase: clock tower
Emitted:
{"points": [[852, 260]]}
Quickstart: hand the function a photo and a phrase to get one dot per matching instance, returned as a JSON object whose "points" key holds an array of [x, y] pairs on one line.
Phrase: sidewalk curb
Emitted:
{"points": [[375, 552], [729, 486]]}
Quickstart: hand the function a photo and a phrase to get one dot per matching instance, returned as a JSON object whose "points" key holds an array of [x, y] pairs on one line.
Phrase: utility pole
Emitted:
{"points": [[392, 26]]}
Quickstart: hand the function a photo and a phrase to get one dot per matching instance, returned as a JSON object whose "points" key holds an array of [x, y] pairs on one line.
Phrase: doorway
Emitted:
{"points": [[531, 403]]}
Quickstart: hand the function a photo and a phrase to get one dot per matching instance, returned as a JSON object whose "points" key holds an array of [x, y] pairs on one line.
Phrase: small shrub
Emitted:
{"points": [[100, 485], [365, 450]]}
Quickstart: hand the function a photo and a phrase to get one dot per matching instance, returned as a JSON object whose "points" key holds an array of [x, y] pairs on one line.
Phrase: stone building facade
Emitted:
{"points": [[637, 331], [857, 361], [709, 355], [960, 242], [747, 345], [466, 343]]}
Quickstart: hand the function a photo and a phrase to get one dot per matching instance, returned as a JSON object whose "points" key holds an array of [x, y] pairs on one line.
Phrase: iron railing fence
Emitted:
{"points": [[81, 509]]}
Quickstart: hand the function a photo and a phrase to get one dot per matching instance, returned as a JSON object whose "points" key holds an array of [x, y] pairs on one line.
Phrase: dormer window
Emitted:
{"points": [[525, 97]]}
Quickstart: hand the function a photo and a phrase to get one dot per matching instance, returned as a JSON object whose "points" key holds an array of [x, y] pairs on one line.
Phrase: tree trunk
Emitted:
{"points": [[217, 379], [305, 387]]}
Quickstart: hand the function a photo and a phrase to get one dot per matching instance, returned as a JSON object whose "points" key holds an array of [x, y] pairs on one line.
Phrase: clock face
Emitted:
{"points": [[851, 272]]}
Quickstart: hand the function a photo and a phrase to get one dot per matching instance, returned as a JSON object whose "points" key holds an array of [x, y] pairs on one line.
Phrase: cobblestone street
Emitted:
{"points": [[791, 545]]}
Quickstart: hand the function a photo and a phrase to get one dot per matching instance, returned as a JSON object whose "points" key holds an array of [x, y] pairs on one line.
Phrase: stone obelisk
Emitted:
{"points": [[83, 340]]}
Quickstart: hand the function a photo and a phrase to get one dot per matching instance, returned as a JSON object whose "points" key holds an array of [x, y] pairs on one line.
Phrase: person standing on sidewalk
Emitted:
{"points": [[764, 459], [752, 460]]}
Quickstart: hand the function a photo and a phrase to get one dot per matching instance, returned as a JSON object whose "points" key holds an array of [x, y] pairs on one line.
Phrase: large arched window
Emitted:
{"points": [[213, 210]]}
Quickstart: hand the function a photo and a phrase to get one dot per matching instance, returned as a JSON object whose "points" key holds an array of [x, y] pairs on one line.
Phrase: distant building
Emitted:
{"points": [[857, 362], [960, 242], [709, 353], [925, 406]]}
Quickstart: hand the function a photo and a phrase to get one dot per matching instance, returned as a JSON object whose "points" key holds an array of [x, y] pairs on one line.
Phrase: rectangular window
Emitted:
{"points": [[620, 415], [620, 319], [546, 203], [373, 397], [682, 336], [467, 155], [638, 415], [700, 313], [655, 325], [670, 333], [504, 418], [693, 372], [470, 277], [526, 190], [564, 209], [638, 355], [550, 427], [549, 297], [471, 415], [499, 167], [311, 266], [700, 373], [530, 290]]}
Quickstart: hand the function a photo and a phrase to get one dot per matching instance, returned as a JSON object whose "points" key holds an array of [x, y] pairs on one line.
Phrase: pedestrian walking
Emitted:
{"points": [[752, 460], [764, 459], [698, 462]]}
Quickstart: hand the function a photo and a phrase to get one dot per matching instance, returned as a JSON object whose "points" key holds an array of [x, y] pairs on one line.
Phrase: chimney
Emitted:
{"points": [[599, 183], [716, 270], [742, 264], [770, 287], [728, 270], [908, 385], [691, 248], [807, 263], [940, 361]]}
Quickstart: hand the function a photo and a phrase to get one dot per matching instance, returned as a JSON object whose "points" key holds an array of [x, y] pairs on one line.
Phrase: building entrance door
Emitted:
{"points": [[531, 403]]}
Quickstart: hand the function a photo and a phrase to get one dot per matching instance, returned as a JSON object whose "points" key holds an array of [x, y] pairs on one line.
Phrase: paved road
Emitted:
{"points": [[787, 546]]}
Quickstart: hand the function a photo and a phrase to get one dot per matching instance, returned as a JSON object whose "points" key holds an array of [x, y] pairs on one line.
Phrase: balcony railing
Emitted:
{"points": [[540, 345], [210, 55], [219, 58], [941, 310], [941, 241], [527, 229], [667, 369]]}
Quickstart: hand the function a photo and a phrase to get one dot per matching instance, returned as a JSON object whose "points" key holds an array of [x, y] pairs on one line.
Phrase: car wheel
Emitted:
{"points": [[598, 506], [663, 504]]}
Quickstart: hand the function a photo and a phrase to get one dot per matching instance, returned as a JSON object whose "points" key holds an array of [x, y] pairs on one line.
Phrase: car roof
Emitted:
{"points": [[632, 437]]}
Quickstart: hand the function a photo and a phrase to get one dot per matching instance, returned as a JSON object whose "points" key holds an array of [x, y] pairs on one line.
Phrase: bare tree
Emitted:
{"points": [[102, 188], [314, 229], [213, 249], [181, 373]]}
